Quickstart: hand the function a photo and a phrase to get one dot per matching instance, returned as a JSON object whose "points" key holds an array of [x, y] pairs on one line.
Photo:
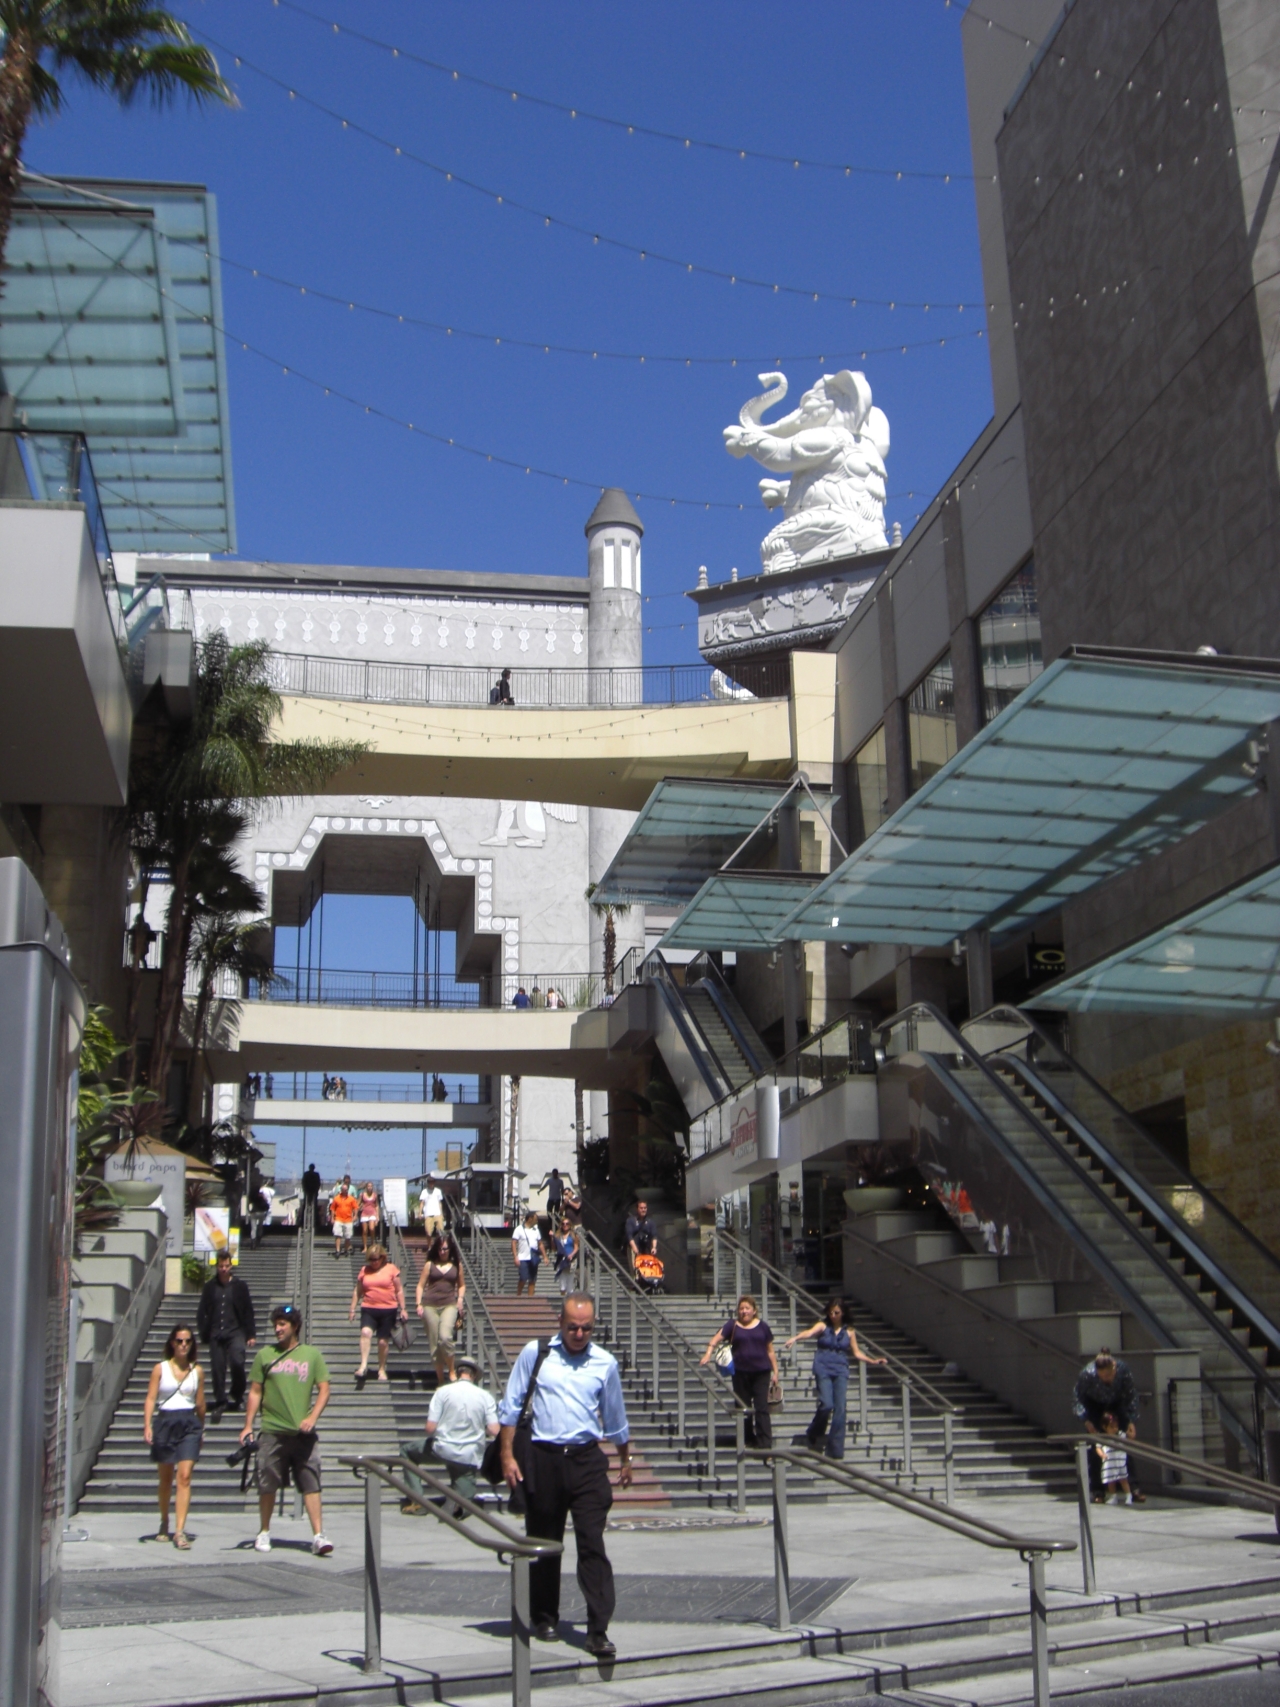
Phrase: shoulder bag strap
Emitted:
{"points": [[526, 1409]]}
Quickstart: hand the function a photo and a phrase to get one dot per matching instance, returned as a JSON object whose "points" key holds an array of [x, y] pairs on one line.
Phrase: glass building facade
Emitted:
{"points": [[931, 722], [1009, 639], [869, 796]]}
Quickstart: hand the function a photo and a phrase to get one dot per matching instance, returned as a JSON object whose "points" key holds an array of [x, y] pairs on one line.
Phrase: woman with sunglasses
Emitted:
{"points": [[172, 1425]]}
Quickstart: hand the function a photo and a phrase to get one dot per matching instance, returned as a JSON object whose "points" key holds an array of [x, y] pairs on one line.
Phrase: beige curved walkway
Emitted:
{"points": [[605, 756]]}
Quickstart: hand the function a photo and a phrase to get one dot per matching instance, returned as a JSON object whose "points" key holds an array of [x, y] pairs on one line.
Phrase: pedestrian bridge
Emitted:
{"points": [[583, 754]]}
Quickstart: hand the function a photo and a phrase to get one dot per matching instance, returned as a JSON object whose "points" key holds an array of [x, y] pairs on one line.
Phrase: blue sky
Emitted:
{"points": [[871, 82], [874, 83]]}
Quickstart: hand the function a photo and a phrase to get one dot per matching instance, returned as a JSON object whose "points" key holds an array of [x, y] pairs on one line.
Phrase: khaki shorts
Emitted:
{"points": [[279, 1453], [433, 1223]]}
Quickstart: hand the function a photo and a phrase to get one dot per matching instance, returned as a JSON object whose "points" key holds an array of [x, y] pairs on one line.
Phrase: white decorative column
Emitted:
{"points": [[615, 655]]}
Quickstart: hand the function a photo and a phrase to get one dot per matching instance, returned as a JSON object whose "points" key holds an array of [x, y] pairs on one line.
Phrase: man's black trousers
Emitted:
{"points": [[559, 1480], [227, 1351]]}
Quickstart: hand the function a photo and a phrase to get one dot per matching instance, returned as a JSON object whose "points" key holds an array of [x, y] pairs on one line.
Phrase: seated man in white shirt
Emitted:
{"points": [[462, 1419]]}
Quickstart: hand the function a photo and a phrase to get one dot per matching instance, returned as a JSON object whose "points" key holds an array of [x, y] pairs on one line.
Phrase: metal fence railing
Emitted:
{"points": [[393, 683], [345, 988]]}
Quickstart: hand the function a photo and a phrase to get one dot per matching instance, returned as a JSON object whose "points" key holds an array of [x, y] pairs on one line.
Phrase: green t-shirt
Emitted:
{"points": [[287, 1378]]}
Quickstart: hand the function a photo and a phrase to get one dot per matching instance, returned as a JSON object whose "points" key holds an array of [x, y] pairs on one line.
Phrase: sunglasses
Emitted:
{"points": [[578, 1328], [183, 1339]]}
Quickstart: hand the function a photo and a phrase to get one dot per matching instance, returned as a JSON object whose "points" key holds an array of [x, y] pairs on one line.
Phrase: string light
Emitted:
{"points": [[376, 410], [501, 199], [541, 344], [630, 126]]}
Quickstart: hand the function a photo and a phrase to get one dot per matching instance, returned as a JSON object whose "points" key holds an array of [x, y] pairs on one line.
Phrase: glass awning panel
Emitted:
{"points": [[740, 910], [112, 327], [687, 829], [1106, 759], [1223, 958]]}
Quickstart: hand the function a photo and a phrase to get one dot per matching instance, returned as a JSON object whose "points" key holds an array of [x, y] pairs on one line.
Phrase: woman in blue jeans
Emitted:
{"points": [[836, 1345]]}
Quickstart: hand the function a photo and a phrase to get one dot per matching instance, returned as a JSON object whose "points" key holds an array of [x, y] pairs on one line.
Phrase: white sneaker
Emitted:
{"points": [[321, 1545], [263, 1543]]}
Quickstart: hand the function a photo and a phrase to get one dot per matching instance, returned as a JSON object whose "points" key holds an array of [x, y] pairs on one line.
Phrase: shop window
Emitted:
{"points": [[869, 802], [1009, 638], [931, 722]]}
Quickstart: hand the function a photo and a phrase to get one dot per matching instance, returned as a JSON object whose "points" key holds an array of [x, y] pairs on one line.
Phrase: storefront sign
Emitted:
{"points": [[395, 1200], [167, 1172], [753, 1128]]}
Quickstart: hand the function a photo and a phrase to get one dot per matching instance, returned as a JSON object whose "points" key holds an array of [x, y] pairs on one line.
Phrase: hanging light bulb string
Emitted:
{"points": [[630, 127], [540, 345], [622, 245]]}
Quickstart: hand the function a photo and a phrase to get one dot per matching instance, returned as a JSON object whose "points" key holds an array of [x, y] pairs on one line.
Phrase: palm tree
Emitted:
{"points": [[222, 943], [125, 47], [188, 798], [608, 913]]}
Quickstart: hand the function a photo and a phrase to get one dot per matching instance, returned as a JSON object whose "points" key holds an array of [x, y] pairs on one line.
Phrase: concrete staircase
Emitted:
{"points": [[995, 1450], [123, 1477]]}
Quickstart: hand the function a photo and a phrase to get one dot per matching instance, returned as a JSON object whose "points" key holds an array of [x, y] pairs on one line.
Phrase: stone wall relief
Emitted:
{"points": [[523, 823]]}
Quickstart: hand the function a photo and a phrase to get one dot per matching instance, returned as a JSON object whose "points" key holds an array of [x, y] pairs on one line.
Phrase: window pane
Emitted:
{"points": [[1009, 635], [869, 802], [931, 722]]}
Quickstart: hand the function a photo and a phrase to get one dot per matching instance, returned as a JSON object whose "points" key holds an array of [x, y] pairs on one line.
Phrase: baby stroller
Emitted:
{"points": [[649, 1273]]}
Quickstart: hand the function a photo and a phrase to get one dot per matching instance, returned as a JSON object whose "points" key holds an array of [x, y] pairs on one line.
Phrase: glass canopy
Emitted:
{"points": [[739, 910], [112, 327], [687, 829], [1223, 958], [1101, 762]]}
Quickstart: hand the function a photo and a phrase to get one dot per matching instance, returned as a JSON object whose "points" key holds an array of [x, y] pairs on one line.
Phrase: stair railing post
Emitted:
{"points": [[764, 1295], [740, 1443], [737, 1274], [521, 1670], [715, 1263], [1086, 1516], [633, 1330], [862, 1398], [711, 1435], [657, 1364], [949, 1457], [679, 1397], [793, 1315], [372, 1573], [906, 1427], [1039, 1630], [781, 1558]]}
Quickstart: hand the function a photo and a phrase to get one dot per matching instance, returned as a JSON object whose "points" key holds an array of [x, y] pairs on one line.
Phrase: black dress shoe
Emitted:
{"points": [[601, 1647], [215, 1415], [546, 1630]]}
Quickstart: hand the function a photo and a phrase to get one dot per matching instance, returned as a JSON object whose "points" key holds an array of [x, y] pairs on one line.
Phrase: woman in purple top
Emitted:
{"points": [[755, 1367]]}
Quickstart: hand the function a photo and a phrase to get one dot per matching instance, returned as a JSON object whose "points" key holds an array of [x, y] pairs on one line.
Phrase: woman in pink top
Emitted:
{"points": [[379, 1292]]}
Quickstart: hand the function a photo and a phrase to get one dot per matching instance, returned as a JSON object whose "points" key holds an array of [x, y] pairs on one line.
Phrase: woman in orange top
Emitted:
{"points": [[379, 1292]]}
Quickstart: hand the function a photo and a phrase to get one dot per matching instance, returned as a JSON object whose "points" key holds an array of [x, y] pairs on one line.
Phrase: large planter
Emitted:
{"points": [[134, 1193], [867, 1199]]}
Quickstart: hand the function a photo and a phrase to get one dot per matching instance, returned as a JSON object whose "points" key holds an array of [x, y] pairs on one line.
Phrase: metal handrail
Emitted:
{"points": [[1123, 1289], [518, 1548], [1246, 1486], [936, 1401], [1032, 1550], [482, 1341]]}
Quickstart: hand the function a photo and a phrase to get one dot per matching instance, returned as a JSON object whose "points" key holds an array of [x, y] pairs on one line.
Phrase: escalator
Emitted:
{"points": [[1035, 1164], [708, 1044]]}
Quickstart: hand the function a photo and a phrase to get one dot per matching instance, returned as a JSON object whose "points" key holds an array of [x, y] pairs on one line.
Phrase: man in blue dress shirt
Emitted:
{"points": [[577, 1403]]}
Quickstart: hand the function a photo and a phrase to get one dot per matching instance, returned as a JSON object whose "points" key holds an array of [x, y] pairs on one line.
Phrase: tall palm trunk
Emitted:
{"points": [[16, 66], [610, 950]]}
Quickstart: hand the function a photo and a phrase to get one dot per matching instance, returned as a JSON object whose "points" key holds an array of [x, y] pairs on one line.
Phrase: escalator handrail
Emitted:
{"points": [[1150, 1204], [1122, 1114], [699, 1048], [724, 1000], [1135, 1302]]}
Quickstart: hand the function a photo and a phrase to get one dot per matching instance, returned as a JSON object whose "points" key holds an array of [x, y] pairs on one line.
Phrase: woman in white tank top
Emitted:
{"points": [[172, 1424]]}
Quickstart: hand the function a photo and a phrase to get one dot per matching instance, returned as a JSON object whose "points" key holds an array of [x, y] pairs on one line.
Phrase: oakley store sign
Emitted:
{"points": [[753, 1121]]}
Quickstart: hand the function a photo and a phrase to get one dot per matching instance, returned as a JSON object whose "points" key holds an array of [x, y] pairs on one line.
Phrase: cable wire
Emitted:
{"points": [[501, 199], [629, 126]]}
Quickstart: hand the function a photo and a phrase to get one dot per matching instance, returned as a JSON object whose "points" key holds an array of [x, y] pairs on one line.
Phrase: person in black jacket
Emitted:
{"points": [[224, 1321], [1106, 1388]]}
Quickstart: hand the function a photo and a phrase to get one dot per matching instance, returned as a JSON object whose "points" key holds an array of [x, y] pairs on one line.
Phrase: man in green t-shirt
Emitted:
{"points": [[280, 1386]]}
